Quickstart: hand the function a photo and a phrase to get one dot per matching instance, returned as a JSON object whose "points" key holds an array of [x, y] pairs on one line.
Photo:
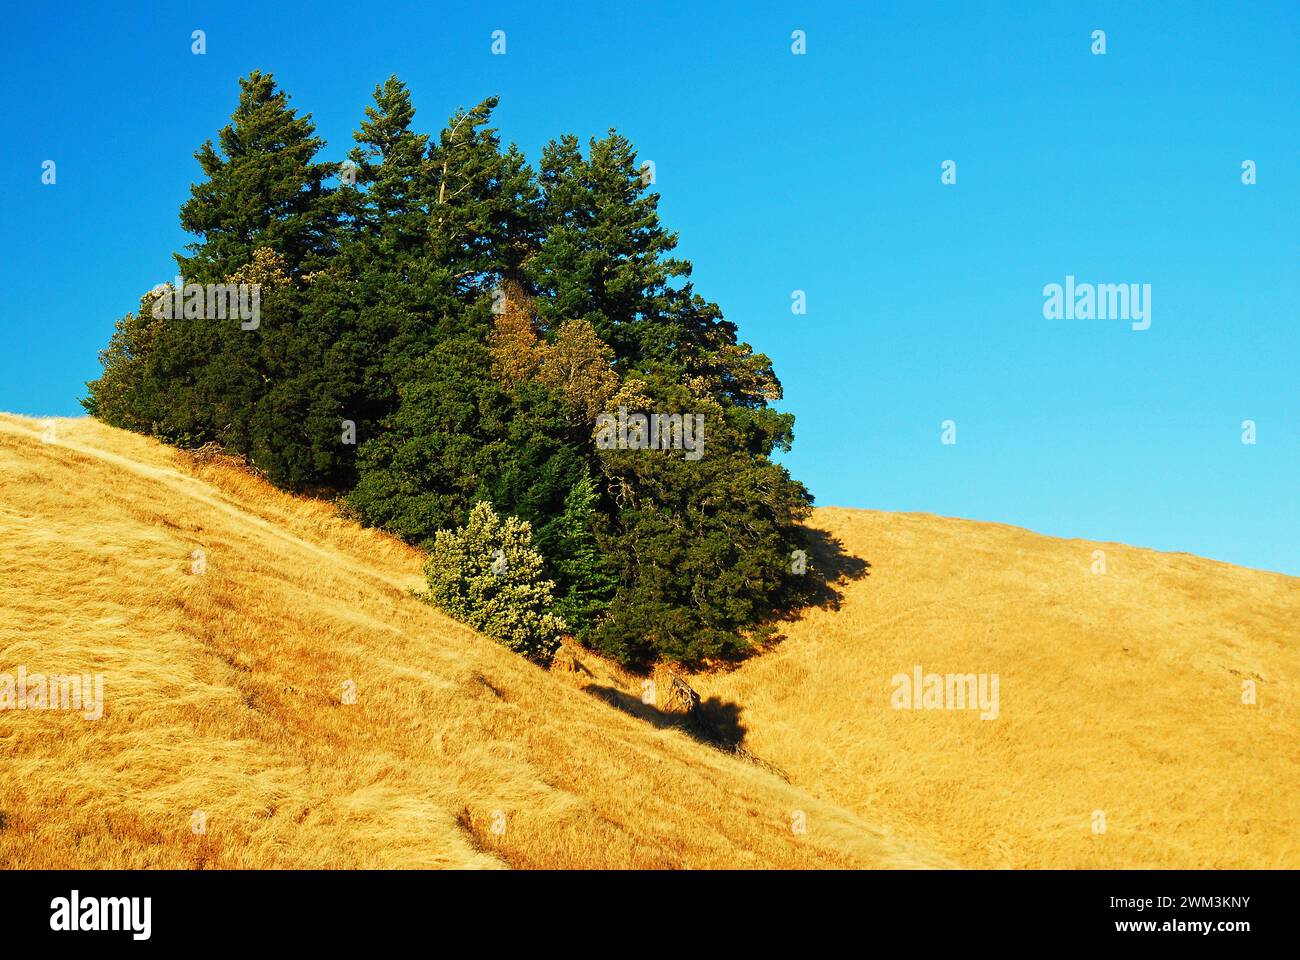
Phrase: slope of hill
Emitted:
{"points": [[229, 622], [1122, 737]]}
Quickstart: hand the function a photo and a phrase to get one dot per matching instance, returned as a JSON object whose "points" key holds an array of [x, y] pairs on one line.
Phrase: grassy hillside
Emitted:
{"points": [[1120, 692], [224, 694]]}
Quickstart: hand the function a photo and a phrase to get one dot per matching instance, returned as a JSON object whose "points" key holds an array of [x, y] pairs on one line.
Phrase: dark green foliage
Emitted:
{"points": [[277, 391], [423, 469], [264, 189], [584, 582], [484, 216], [379, 303], [704, 547], [603, 256]]}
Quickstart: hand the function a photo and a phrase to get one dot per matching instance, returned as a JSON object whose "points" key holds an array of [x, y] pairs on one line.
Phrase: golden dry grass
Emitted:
{"points": [[224, 694], [1119, 692]]}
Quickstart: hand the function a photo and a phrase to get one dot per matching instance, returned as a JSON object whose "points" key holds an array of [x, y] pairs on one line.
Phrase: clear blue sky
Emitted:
{"points": [[819, 173]]}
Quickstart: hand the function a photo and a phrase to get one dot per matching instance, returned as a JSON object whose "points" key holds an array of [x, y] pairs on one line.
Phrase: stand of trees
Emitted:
{"points": [[440, 326]]}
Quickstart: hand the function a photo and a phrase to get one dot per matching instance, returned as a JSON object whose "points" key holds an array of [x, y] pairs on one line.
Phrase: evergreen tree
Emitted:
{"points": [[484, 204], [390, 163], [276, 388], [405, 296], [264, 188], [584, 582], [466, 322], [701, 548], [604, 254], [368, 312], [455, 435], [422, 470]]}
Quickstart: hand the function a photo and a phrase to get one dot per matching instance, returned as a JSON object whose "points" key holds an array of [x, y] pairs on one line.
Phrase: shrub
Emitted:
{"points": [[488, 575]]}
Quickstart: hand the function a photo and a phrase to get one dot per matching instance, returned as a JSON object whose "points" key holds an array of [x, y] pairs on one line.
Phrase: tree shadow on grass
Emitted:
{"points": [[829, 569], [716, 722], [713, 721]]}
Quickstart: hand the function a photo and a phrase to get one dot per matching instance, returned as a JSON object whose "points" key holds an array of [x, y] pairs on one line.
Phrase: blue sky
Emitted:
{"points": [[819, 173]]}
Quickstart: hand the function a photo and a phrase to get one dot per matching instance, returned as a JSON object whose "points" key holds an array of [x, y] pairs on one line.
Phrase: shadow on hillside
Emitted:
{"points": [[719, 723], [830, 568], [713, 721]]}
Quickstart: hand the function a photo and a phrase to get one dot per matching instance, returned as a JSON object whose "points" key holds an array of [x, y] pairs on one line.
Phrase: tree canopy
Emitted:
{"points": [[440, 328]]}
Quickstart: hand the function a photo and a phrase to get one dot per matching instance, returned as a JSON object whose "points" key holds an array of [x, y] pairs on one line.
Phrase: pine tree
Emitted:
{"points": [[274, 389], [455, 434], [264, 188], [701, 548], [381, 320], [584, 583], [484, 203], [390, 163], [405, 296], [368, 312], [604, 257]]}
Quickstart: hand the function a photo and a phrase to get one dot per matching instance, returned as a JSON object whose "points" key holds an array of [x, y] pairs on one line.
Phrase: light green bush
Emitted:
{"points": [[488, 575]]}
